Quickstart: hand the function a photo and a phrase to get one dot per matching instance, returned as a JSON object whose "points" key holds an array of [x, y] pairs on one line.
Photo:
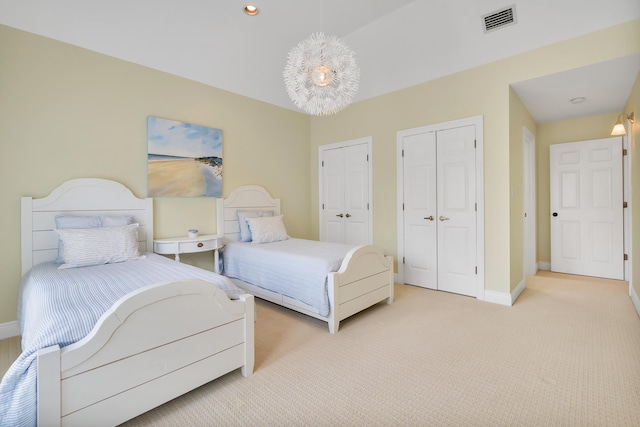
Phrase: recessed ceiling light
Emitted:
{"points": [[578, 100], [251, 10]]}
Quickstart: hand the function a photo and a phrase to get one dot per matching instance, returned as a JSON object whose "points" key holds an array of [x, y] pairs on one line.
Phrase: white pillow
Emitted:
{"points": [[93, 246], [74, 221], [245, 233], [267, 229]]}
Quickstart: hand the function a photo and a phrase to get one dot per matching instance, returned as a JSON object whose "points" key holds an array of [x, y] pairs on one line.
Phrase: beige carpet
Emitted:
{"points": [[567, 353]]}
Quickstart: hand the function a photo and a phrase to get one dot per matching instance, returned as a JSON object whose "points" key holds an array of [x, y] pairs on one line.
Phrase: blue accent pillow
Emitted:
{"points": [[116, 220]]}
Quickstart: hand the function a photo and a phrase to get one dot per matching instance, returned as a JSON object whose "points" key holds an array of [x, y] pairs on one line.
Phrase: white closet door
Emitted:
{"points": [[456, 210], [586, 208], [420, 214], [439, 209], [346, 192], [333, 197], [356, 194]]}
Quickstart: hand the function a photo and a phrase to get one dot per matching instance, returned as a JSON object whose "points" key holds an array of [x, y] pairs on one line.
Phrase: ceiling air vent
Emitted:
{"points": [[499, 18]]}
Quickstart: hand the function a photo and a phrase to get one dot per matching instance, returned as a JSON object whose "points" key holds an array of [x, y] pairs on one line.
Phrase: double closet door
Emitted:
{"points": [[439, 209], [345, 192]]}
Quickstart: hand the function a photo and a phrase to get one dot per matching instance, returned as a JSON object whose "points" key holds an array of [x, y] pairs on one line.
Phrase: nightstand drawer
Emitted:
{"points": [[187, 245], [205, 245]]}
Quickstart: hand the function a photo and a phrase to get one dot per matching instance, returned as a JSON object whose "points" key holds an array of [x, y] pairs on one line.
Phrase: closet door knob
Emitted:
{"points": [[430, 217], [340, 215], [443, 218], [348, 215]]}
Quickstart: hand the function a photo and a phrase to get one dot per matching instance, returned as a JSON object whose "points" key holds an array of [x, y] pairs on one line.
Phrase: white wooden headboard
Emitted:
{"points": [[84, 196], [246, 197]]}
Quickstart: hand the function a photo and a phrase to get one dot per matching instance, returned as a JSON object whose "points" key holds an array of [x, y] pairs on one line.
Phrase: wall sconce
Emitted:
{"points": [[618, 128]]}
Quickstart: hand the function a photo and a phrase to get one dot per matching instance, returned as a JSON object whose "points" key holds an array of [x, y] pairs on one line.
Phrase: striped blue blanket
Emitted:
{"points": [[62, 306], [296, 268]]}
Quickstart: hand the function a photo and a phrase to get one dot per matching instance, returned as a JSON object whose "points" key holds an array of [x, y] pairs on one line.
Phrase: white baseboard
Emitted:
{"points": [[517, 291], [504, 298], [635, 299], [497, 297], [545, 266], [8, 330]]}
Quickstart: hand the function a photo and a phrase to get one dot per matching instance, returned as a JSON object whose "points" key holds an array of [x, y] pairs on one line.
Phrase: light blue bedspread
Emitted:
{"points": [[296, 268], [62, 306]]}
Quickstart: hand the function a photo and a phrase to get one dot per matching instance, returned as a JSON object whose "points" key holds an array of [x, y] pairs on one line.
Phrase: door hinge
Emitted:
{"points": [[476, 208], [323, 206], [403, 206], [474, 143], [323, 163], [367, 157], [403, 260], [626, 257], [476, 269], [624, 151], [367, 206], [403, 152], [624, 204]]}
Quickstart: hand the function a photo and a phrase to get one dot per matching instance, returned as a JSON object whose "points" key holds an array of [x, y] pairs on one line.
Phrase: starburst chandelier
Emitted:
{"points": [[321, 75]]}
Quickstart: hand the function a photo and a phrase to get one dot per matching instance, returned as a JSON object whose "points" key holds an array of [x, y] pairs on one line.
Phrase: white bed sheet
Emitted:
{"points": [[296, 268]]}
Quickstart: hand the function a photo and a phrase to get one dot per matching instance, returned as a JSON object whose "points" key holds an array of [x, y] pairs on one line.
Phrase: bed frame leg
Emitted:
{"points": [[333, 325], [249, 342], [391, 281]]}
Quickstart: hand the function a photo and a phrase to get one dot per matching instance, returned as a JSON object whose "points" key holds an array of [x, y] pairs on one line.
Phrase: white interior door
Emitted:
{"points": [[456, 210], [420, 213], [439, 209], [334, 195], [587, 208], [356, 195], [345, 192]]}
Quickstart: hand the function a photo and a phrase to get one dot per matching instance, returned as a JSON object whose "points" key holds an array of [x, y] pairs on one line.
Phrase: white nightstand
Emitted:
{"points": [[187, 245]]}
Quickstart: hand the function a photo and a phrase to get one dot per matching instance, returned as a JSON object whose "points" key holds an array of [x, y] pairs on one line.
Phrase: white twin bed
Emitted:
{"points": [[281, 271], [158, 328], [173, 333]]}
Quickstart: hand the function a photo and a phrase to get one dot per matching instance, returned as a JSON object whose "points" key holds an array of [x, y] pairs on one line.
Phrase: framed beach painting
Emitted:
{"points": [[183, 160]]}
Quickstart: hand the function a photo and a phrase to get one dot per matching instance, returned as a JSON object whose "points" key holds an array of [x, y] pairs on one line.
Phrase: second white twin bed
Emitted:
{"points": [[328, 281]]}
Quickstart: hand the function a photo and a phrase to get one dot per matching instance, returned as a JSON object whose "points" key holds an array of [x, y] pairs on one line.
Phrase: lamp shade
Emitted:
{"points": [[618, 129], [321, 75]]}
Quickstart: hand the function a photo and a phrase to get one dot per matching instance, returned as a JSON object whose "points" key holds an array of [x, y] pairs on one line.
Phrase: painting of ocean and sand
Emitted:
{"points": [[183, 160]]}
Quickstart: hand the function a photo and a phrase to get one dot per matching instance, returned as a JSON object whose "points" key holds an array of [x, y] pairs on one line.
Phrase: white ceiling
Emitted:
{"points": [[398, 43]]}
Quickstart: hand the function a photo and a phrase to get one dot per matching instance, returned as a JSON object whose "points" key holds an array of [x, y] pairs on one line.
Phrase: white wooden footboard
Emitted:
{"points": [[153, 345], [364, 279]]}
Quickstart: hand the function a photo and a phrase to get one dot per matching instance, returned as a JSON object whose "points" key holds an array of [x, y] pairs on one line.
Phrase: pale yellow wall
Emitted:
{"points": [[633, 105], [482, 91], [519, 117], [67, 112], [582, 129]]}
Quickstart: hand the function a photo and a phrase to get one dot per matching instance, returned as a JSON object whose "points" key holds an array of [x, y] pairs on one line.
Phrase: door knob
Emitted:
{"points": [[340, 215], [348, 215], [430, 217], [443, 218], [555, 214]]}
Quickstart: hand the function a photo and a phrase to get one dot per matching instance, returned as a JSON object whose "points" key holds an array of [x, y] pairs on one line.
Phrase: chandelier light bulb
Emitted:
{"points": [[321, 75]]}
